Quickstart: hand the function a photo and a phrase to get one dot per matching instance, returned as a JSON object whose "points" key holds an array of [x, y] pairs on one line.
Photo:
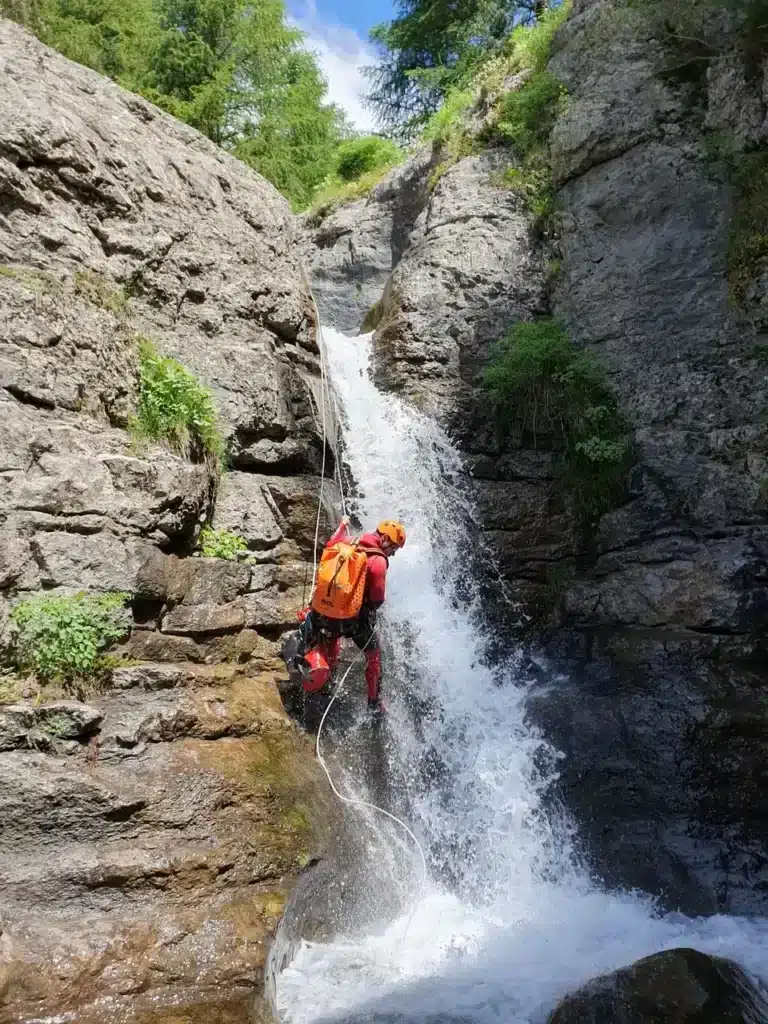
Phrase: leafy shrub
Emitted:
{"points": [[176, 408], [449, 121], [525, 121], [528, 114], [531, 45], [546, 387], [63, 639], [533, 183], [360, 165], [361, 156], [525, 116], [448, 129], [220, 544], [334, 193]]}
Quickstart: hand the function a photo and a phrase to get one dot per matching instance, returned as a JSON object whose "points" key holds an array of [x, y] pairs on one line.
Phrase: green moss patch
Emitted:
{"points": [[748, 237]]}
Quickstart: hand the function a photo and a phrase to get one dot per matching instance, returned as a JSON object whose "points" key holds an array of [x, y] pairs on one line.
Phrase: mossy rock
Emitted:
{"points": [[373, 317]]}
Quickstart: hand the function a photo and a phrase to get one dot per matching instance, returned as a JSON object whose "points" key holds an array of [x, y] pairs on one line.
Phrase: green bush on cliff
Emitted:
{"points": [[448, 131], [175, 407], [63, 639], [220, 544], [554, 392], [361, 156], [360, 164], [527, 115]]}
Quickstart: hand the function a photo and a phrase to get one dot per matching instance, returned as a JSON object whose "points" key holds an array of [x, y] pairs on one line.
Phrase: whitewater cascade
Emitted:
{"points": [[508, 921]]}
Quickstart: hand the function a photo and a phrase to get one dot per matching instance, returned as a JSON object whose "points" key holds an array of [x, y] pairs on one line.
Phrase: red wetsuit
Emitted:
{"points": [[363, 631]]}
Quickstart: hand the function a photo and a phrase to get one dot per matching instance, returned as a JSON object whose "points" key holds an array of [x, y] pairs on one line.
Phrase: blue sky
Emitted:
{"points": [[360, 15], [337, 30]]}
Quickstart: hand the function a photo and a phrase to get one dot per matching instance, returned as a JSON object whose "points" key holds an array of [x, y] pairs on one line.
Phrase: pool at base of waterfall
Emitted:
{"points": [[508, 921]]}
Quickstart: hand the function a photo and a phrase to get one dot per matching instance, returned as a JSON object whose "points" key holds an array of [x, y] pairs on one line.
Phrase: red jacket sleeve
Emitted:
{"points": [[376, 581], [341, 534]]}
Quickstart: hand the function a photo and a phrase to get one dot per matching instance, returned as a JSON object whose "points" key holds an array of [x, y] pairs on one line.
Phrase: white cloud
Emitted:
{"points": [[342, 54]]}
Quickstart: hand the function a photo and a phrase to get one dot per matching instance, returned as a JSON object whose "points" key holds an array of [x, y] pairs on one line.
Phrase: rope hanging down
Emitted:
{"points": [[356, 802], [350, 801]]}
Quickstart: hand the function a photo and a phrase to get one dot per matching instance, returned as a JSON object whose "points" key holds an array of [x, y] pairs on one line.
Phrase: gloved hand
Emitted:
{"points": [[345, 520]]}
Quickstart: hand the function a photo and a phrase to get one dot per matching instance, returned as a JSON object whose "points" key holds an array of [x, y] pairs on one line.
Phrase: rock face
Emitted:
{"points": [[149, 836], [470, 271], [658, 613], [666, 615], [444, 267], [680, 986], [351, 250]]}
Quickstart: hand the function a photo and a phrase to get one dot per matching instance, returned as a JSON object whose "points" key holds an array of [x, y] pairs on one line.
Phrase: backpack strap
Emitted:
{"points": [[373, 551]]}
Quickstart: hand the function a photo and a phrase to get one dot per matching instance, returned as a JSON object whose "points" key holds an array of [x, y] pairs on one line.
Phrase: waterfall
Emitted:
{"points": [[508, 921]]}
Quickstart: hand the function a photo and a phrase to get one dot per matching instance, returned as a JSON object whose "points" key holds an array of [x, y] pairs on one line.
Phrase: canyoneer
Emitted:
{"points": [[349, 590]]}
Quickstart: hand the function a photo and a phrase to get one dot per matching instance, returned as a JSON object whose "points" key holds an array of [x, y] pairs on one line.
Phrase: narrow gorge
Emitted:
{"points": [[577, 732]]}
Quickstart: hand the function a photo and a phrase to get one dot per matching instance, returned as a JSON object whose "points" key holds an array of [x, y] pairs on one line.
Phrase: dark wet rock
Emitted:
{"points": [[679, 986]]}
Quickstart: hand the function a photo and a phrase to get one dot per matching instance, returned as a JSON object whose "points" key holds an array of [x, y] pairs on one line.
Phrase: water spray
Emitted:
{"points": [[349, 801]]}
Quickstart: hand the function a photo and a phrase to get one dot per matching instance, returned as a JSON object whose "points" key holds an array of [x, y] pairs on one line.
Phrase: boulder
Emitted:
{"points": [[31, 725], [678, 986]]}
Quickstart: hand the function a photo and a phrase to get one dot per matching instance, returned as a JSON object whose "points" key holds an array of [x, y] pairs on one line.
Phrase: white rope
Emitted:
{"points": [[354, 802], [350, 801], [325, 450]]}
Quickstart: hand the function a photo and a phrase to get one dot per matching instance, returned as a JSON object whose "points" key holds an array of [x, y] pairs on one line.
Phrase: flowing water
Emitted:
{"points": [[506, 920]]}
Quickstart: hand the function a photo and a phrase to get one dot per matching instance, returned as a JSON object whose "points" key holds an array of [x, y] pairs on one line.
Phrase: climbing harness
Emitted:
{"points": [[350, 801]]}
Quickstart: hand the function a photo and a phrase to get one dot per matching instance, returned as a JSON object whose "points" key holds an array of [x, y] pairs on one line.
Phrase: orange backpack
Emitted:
{"points": [[341, 577]]}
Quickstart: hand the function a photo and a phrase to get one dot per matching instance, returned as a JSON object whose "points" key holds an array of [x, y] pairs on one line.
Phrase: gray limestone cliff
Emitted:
{"points": [[151, 834]]}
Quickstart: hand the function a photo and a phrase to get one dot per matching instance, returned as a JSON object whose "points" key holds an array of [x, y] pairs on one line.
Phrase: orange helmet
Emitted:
{"points": [[315, 671], [392, 531]]}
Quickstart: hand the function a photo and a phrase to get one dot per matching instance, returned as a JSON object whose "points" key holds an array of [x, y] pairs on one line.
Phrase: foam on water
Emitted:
{"points": [[507, 921]]}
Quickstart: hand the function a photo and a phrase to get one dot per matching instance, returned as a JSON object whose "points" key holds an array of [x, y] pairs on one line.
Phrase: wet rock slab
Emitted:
{"points": [[153, 856]]}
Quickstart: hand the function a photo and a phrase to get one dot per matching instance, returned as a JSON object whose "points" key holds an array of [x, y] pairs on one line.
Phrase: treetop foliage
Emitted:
{"points": [[234, 69], [434, 46]]}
